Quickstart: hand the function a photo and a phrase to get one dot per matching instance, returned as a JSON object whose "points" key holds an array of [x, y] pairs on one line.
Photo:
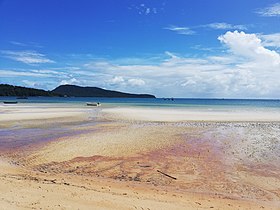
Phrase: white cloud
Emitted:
{"points": [[28, 44], [118, 80], [247, 70], [18, 43], [271, 40], [181, 30], [121, 81], [217, 26], [144, 9], [31, 84], [39, 78], [249, 46], [15, 73], [136, 82], [72, 81], [27, 57], [148, 10], [225, 26], [271, 11], [48, 71]]}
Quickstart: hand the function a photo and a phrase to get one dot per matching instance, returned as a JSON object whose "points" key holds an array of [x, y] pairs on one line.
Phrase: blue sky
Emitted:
{"points": [[178, 48]]}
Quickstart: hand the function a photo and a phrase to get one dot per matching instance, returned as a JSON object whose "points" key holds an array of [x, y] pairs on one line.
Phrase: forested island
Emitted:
{"points": [[10, 90], [67, 91]]}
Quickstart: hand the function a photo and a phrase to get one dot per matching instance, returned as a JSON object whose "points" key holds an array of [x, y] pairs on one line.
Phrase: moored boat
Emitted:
{"points": [[93, 104], [10, 102]]}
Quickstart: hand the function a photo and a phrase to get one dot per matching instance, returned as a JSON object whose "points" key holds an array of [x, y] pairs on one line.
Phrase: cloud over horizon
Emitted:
{"points": [[246, 69]]}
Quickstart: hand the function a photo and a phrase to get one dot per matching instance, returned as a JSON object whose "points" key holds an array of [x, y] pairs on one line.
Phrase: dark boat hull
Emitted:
{"points": [[10, 102]]}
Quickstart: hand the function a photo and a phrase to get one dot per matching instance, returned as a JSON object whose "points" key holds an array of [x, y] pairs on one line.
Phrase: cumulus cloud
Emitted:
{"points": [[121, 81], [271, 11], [249, 46], [181, 30], [247, 69], [118, 80], [27, 57]]}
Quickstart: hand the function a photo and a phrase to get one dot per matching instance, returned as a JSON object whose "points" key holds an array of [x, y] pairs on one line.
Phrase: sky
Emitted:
{"points": [[169, 48]]}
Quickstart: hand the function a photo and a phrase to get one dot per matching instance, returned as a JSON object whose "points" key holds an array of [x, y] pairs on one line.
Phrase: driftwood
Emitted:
{"points": [[172, 177]]}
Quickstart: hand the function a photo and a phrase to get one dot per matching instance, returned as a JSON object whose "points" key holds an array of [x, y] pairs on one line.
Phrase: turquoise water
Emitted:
{"points": [[151, 102], [17, 137]]}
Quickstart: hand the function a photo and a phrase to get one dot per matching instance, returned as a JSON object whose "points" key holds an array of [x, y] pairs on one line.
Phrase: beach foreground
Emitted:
{"points": [[131, 158]]}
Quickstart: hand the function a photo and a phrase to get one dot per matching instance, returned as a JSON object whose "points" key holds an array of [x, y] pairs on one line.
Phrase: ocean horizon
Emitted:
{"points": [[154, 102]]}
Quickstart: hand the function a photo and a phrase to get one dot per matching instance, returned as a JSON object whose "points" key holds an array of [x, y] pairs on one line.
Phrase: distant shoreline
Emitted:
{"points": [[67, 91]]}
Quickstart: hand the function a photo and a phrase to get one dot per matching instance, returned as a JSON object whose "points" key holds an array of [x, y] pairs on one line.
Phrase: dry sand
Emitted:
{"points": [[113, 159]]}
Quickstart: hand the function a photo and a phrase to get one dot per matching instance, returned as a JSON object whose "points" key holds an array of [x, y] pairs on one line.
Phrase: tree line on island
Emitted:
{"points": [[67, 91]]}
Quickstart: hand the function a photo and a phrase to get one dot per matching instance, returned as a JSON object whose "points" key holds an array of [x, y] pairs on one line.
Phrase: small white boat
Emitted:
{"points": [[93, 104]]}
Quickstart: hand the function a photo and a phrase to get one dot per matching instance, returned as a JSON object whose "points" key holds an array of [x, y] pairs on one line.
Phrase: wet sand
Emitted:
{"points": [[108, 159]]}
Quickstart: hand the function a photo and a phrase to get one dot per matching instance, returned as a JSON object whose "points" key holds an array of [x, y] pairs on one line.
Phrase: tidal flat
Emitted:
{"points": [[131, 158]]}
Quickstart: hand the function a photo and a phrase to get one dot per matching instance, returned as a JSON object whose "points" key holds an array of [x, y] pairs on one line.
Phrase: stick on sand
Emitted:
{"points": [[172, 177]]}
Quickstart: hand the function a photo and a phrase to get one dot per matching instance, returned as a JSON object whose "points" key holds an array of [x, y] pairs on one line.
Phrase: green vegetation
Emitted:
{"points": [[77, 91], [10, 90], [67, 90]]}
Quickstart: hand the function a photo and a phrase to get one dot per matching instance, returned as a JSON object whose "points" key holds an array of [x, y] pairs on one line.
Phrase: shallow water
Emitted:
{"points": [[154, 102], [19, 137]]}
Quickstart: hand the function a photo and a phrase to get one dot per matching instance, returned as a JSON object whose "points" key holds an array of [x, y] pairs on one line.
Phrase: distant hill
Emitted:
{"points": [[10, 90], [68, 90], [77, 91]]}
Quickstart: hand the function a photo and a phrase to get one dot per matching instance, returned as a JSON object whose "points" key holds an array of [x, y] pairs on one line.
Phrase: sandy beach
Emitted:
{"points": [[59, 157]]}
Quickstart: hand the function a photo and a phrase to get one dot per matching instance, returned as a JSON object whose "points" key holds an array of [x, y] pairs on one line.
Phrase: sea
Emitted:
{"points": [[176, 103]]}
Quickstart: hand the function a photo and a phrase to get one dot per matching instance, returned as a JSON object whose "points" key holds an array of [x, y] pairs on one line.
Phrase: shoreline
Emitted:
{"points": [[24, 112]]}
